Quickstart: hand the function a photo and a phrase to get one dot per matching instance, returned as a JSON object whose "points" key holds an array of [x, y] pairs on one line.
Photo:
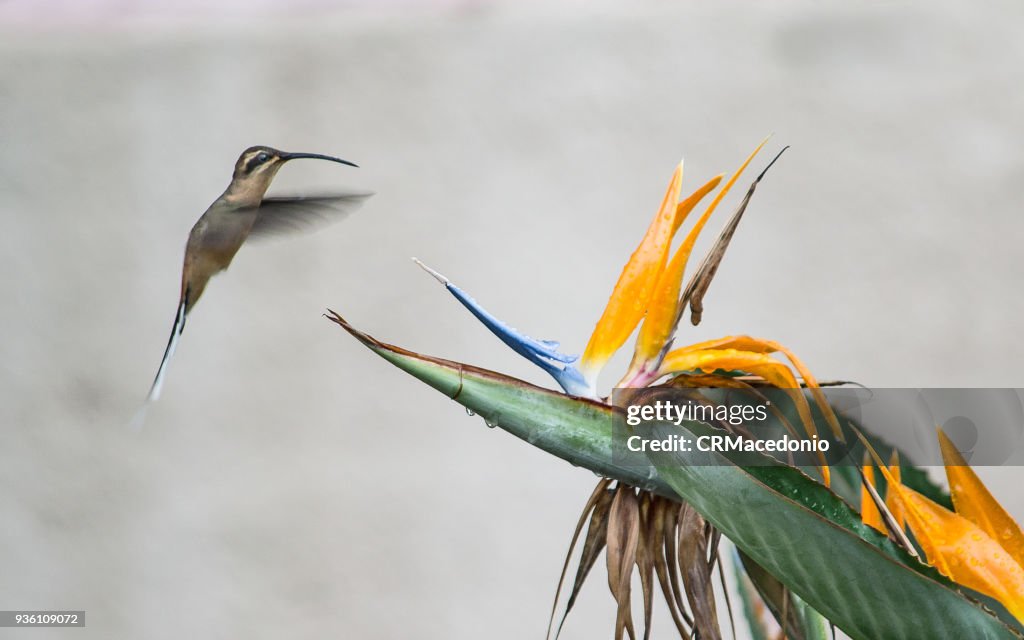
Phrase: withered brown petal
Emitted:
{"points": [[672, 519], [599, 492], [623, 534], [698, 285], [593, 544], [645, 558], [693, 562], [661, 509]]}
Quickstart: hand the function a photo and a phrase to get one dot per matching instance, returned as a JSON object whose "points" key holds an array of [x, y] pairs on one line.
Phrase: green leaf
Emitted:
{"points": [[815, 544], [798, 530], [815, 625]]}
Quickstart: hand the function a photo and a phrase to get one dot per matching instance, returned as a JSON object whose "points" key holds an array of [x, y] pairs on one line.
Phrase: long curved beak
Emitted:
{"points": [[316, 156]]}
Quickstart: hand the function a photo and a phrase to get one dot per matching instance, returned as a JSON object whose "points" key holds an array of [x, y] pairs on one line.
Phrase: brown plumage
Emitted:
{"points": [[241, 212]]}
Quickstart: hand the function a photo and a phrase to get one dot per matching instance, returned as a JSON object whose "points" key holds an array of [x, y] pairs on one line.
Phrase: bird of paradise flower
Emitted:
{"points": [[979, 546]]}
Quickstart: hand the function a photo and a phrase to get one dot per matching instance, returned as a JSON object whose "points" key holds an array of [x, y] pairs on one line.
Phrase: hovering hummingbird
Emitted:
{"points": [[244, 211]]}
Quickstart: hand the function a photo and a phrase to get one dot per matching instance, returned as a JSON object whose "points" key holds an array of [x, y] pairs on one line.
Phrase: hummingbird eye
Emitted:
{"points": [[254, 161]]}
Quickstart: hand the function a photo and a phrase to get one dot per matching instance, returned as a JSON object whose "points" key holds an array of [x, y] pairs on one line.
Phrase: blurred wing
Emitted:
{"points": [[280, 215]]}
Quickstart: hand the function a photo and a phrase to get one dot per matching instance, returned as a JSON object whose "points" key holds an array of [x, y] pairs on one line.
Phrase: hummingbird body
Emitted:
{"points": [[213, 242], [243, 210]]}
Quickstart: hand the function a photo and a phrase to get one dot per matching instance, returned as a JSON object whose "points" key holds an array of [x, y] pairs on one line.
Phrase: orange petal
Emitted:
{"points": [[660, 320], [819, 396], [961, 550], [684, 208], [709, 360], [721, 194], [869, 513], [892, 502], [972, 500], [758, 345], [760, 364], [633, 291], [742, 343]]}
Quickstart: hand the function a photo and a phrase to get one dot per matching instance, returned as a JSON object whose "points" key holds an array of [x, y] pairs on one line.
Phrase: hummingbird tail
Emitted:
{"points": [[172, 344]]}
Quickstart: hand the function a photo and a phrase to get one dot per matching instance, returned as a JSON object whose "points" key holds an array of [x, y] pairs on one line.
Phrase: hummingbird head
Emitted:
{"points": [[258, 165]]}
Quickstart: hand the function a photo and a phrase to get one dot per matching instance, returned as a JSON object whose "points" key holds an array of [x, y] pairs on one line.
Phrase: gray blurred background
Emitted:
{"points": [[291, 485]]}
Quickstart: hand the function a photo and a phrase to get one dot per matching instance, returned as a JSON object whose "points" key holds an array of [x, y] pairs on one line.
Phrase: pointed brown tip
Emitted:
{"points": [[337, 319]]}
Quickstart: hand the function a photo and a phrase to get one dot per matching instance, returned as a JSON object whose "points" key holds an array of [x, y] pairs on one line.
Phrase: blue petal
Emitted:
{"points": [[543, 353]]}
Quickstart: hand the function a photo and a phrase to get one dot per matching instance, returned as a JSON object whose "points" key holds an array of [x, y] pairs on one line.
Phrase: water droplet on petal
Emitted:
{"points": [[470, 412]]}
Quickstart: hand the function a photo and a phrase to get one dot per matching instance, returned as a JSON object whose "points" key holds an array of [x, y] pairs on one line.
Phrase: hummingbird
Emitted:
{"points": [[241, 212]]}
